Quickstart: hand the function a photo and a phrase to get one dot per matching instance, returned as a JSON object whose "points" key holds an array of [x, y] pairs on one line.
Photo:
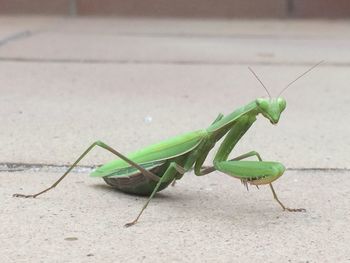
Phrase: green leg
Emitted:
{"points": [[264, 172], [190, 163], [199, 161], [104, 146], [252, 171], [210, 169], [168, 175]]}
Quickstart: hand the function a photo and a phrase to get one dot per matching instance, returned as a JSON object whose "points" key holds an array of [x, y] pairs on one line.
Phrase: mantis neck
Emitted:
{"points": [[225, 124], [235, 125]]}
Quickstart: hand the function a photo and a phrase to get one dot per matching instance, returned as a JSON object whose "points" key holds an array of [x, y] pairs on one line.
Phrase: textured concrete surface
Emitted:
{"points": [[130, 83], [201, 219]]}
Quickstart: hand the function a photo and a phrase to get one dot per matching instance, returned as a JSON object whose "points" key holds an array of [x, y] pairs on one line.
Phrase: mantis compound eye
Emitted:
{"points": [[281, 103]]}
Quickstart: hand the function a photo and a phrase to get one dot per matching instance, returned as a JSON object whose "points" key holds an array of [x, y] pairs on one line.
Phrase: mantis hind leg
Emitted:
{"points": [[104, 146], [168, 175]]}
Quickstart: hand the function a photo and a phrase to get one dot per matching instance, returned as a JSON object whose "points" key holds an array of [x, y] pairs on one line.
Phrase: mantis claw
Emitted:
{"points": [[130, 224]]}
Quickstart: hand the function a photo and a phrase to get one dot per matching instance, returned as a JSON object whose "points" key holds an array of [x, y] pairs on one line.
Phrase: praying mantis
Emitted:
{"points": [[153, 168]]}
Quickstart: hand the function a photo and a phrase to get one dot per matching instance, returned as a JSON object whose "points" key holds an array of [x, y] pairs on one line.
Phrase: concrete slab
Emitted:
{"points": [[205, 27], [149, 49], [51, 112], [202, 219]]}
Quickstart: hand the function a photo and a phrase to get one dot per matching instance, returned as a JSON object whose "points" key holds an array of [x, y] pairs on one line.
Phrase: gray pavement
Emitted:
{"points": [[65, 83]]}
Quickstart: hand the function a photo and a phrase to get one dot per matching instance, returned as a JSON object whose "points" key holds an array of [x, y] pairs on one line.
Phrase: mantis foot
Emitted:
{"points": [[282, 205], [294, 209], [23, 196], [130, 224]]}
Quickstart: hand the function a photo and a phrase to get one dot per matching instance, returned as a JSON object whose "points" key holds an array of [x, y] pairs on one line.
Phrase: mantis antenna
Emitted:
{"points": [[314, 66], [262, 84]]}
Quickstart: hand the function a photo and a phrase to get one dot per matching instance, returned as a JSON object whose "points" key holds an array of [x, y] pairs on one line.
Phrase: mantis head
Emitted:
{"points": [[271, 108]]}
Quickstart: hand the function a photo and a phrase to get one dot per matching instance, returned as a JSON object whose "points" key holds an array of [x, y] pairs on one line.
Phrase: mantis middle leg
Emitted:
{"points": [[168, 175]]}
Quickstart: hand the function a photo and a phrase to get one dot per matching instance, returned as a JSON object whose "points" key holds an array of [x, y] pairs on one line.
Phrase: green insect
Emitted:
{"points": [[153, 168]]}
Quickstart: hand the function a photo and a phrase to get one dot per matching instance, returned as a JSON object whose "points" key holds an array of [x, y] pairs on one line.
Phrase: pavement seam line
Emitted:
{"points": [[56, 168]]}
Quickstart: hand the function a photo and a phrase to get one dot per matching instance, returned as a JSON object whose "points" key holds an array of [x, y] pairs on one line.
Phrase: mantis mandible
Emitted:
{"points": [[153, 168]]}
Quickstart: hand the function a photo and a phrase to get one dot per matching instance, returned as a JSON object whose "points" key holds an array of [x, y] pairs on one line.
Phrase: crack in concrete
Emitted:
{"points": [[56, 168]]}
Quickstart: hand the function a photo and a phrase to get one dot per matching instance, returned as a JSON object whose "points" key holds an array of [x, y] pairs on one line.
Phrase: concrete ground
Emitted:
{"points": [[65, 83]]}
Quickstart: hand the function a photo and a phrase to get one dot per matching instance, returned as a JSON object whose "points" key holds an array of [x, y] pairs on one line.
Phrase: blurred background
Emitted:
{"points": [[183, 8]]}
